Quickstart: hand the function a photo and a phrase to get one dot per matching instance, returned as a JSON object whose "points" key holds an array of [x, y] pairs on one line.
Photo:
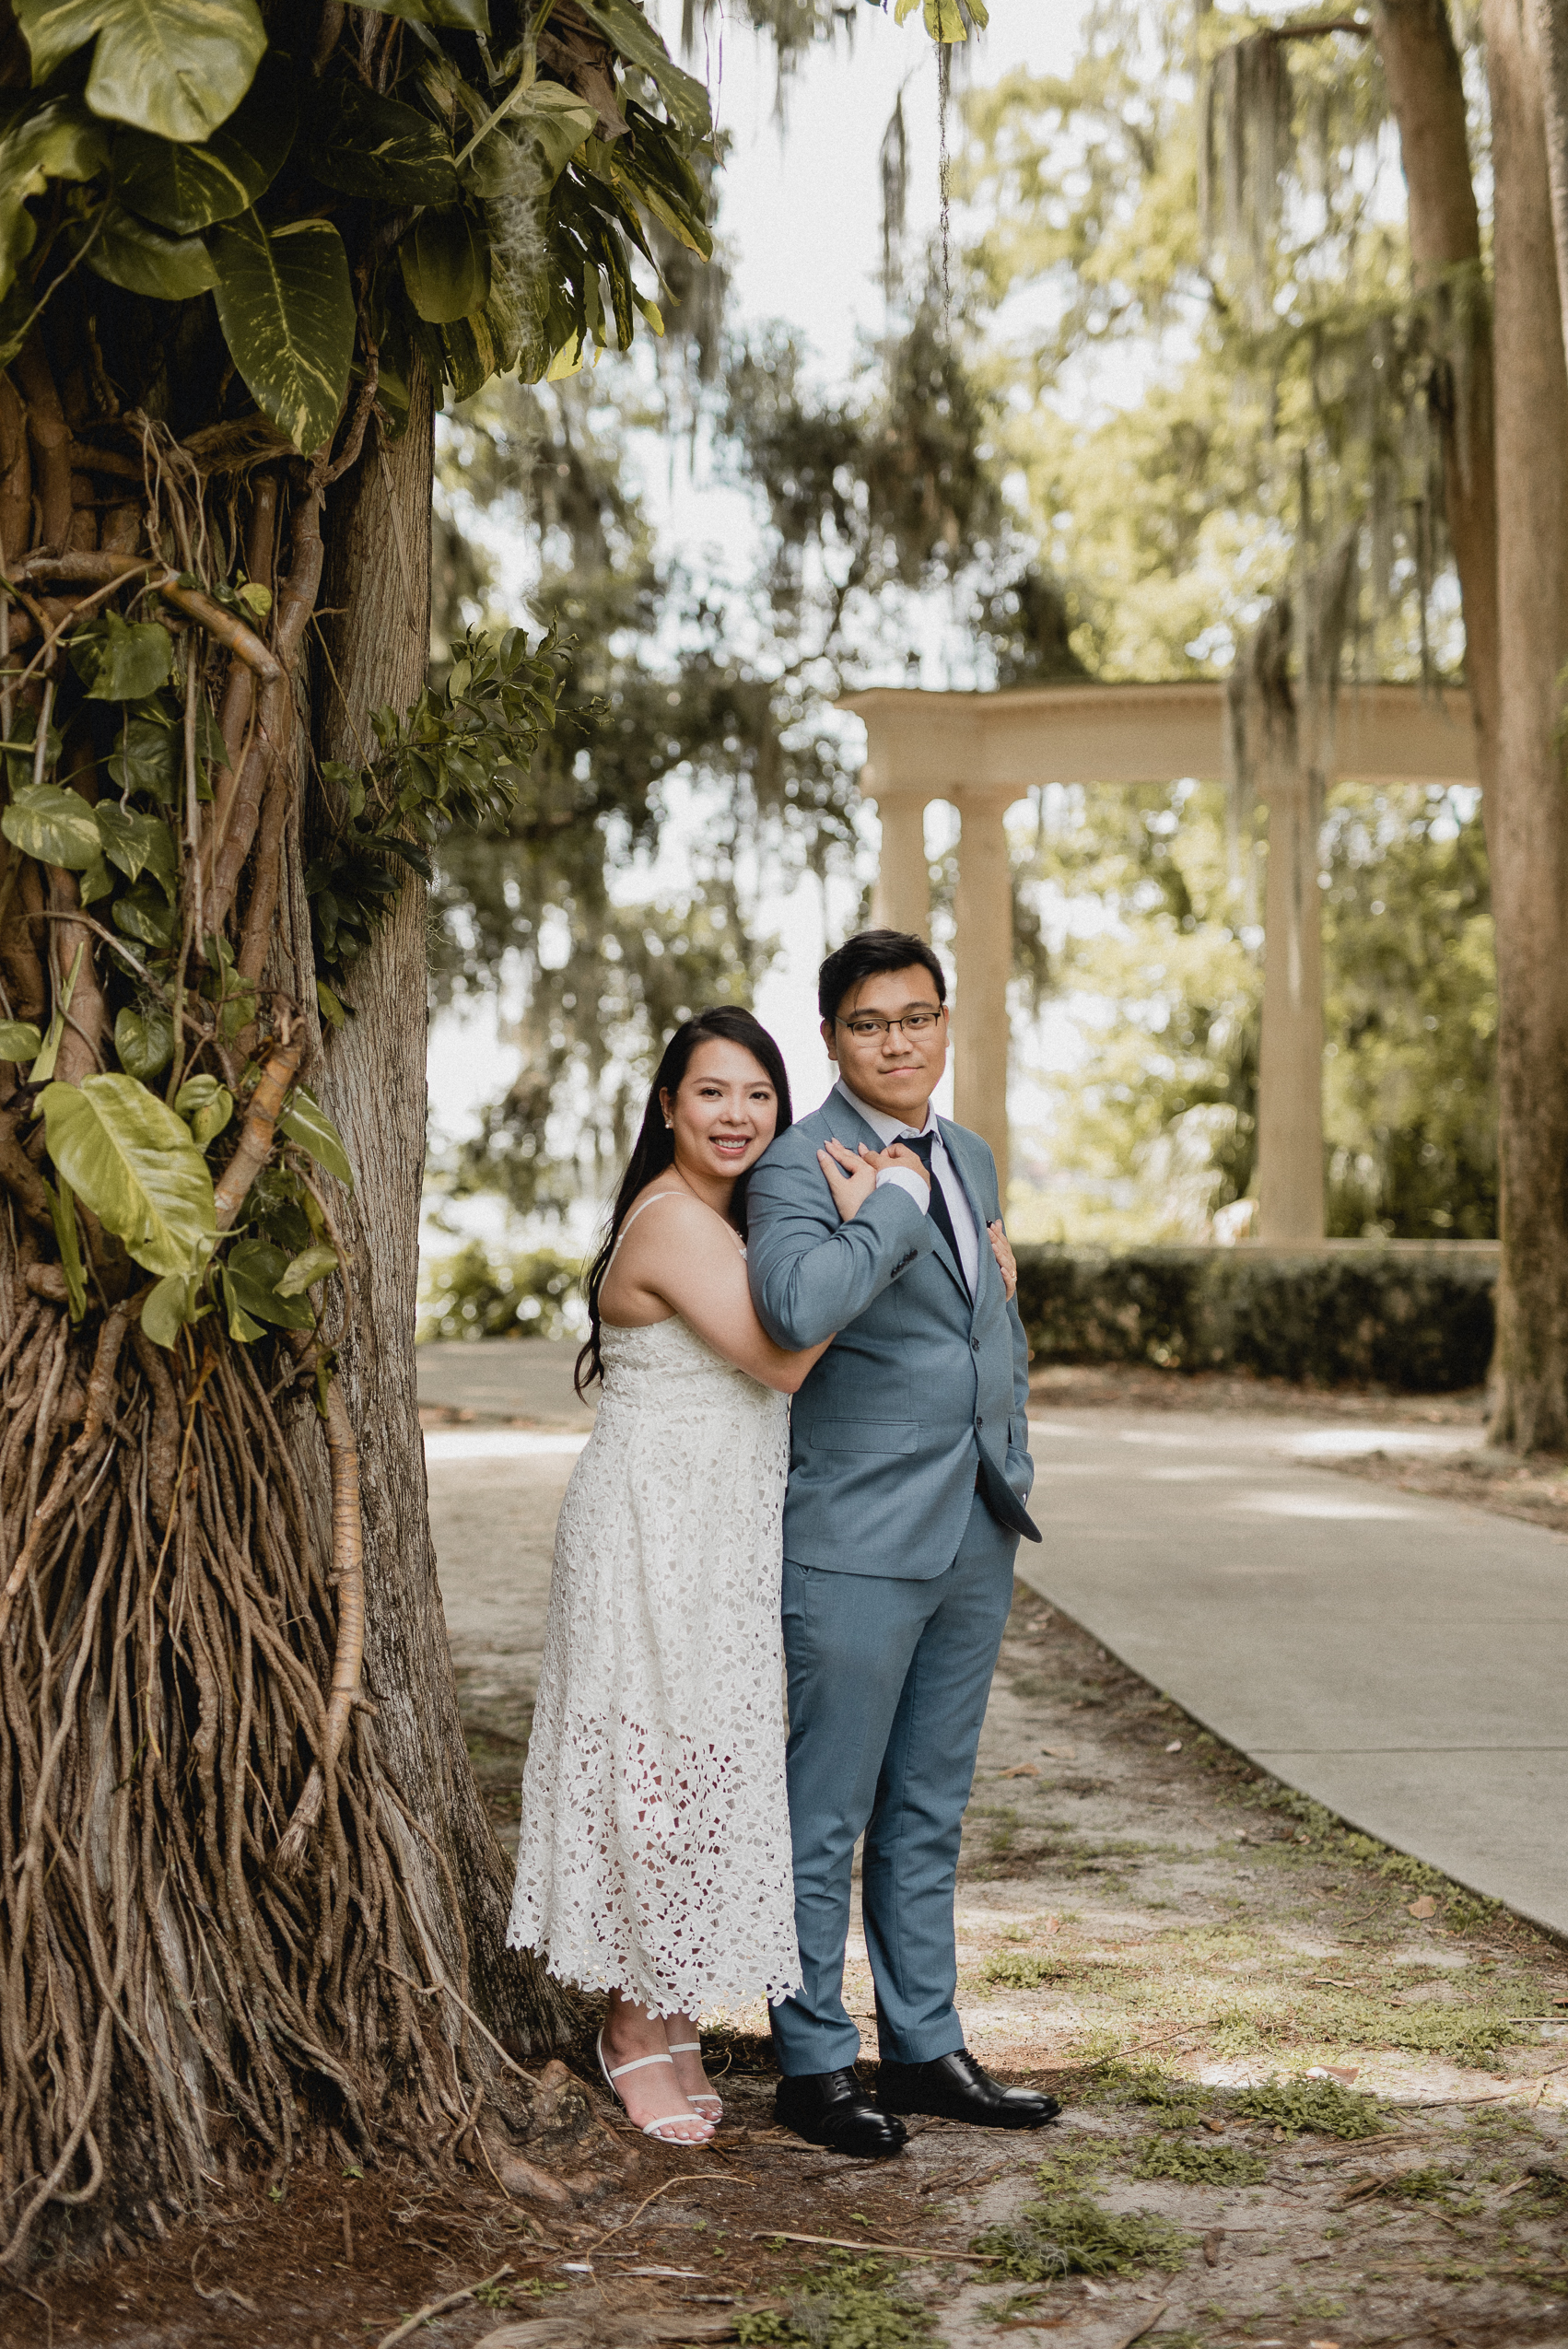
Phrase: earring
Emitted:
{"points": [[669, 1125]]}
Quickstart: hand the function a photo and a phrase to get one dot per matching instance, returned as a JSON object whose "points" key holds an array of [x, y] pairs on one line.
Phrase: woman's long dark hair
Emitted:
{"points": [[654, 1149]]}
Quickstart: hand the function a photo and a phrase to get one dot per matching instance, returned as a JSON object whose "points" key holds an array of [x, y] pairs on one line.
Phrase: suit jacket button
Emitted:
{"points": [[975, 1345], [979, 1423]]}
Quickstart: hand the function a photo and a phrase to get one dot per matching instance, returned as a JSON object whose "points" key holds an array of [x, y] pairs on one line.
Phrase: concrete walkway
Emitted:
{"points": [[1401, 1660]]}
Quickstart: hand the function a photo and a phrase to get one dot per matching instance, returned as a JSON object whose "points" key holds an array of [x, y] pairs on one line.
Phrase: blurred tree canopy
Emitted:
{"points": [[1221, 396], [692, 731], [1151, 906]]}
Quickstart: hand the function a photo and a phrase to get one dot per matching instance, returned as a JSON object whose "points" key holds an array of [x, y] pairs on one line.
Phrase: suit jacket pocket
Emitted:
{"points": [[865, 1435]]}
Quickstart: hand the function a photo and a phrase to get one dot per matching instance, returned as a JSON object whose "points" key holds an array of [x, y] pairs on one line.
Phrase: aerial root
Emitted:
{"points": [[176, 1663]]}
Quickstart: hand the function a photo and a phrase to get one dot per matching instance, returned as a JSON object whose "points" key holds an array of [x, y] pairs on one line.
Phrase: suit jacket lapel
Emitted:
{"points": [[983, 1256], [842, 1113]]}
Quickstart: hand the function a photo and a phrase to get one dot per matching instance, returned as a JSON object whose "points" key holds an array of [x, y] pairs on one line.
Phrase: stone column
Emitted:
{"points": [[1290, 1071], [902, 896], [982, 949]]}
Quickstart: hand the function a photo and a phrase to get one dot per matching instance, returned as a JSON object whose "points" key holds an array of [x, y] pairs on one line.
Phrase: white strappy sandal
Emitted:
{"points": [[669, 2120], [694, 2047]]}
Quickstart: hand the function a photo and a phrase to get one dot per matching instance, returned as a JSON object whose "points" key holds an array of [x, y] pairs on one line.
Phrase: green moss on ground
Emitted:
{"points": [[1071, 2233], [1194, 2162], [851, 2303], [1320, 2105]]}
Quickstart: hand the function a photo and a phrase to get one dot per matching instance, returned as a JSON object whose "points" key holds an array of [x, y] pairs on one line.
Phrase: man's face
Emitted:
{"points": [[895, 1070]]}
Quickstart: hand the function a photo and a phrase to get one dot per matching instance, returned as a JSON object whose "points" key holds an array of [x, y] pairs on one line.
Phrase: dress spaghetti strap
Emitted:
{"points": [[651, 1200]]}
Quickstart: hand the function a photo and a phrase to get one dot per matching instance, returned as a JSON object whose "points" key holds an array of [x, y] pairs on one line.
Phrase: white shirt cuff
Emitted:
{"points": [[907, 1180]]}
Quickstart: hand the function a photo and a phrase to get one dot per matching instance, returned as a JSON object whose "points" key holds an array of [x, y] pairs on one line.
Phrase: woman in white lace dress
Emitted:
{"points": [[654, 1863]]}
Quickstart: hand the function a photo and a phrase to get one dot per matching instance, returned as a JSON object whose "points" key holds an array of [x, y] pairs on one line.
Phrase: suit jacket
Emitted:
{"points": [[923, 1392]]}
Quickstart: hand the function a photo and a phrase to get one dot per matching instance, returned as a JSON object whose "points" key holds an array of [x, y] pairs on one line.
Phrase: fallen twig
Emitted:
{"points": [[686, 2177], [842, 2243], [1147, 2325], [221, 2292], [434, 2307]]}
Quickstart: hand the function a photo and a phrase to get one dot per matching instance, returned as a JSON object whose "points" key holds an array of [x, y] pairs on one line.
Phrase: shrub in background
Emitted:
{"points": [[1419, 1321], [473, 1294]]}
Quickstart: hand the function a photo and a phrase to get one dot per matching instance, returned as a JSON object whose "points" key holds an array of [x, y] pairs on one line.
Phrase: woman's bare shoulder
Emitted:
{"points": [[685, 1218]]}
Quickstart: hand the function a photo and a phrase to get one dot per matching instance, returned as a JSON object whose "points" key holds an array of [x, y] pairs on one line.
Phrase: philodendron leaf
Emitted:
{"points": [[132, 1161], [452, 16], [185, 189], [67, 1239], [169, 1306], [137, 844], [143, 913], [242, 1327], [128, 253], [304, 1120], [558, 121], [61, 141], [96, 880], [623, 24], [144, 1040], [206, 1106], [286, 308], [19, 1040], [445, 260], [178, 67], [43, 1067], [147, 756], [312, 1265], [57, 828], [124, 660], [368, 146], [252, 1269]]}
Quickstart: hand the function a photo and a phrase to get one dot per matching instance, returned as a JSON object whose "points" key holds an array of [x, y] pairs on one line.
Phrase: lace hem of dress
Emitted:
{"points": [[586, 1970]]}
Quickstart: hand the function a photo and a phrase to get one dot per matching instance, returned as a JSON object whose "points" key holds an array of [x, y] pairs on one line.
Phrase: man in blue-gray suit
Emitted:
{"points": [[908, 1472]]}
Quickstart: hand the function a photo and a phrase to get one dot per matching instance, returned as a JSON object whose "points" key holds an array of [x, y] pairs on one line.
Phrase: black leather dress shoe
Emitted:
{"points": [[832, 2109], [954, 2088]]}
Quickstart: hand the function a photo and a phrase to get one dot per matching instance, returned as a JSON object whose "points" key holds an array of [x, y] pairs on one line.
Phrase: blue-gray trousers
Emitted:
{"points": [[888, 1683]]}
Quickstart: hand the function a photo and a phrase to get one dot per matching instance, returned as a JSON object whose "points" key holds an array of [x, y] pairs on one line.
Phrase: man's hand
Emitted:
{"points": [[896, 1154], [1007, 1263]]}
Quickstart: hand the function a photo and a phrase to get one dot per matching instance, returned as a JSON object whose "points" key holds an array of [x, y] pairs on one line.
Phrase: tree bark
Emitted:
{"points": [[1528, 834], [375, 625], [1551, 23], [1421, 66]]}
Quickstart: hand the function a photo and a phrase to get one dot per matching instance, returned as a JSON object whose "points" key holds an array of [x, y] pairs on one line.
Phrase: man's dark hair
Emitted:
{"points": [[863, 956]]}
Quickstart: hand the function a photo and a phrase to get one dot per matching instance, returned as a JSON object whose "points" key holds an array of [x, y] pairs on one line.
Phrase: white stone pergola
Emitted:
{"points": [[982, 752]]}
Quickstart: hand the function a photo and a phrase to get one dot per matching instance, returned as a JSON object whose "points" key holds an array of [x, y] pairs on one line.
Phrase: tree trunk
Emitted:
{"points": [[1550, 26], [1421, 66], [1529, 830], [376, 631]]}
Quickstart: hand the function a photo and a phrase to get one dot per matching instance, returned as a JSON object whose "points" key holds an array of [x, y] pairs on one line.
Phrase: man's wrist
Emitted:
{"points": [[920, 1190]]}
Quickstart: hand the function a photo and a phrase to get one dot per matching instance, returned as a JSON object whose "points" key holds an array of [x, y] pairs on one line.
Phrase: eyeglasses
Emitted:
{"points": [[868, 1027]]}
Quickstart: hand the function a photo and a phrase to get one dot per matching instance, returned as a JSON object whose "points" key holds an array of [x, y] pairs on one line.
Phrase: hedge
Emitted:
{"points": [[1415, 1317]]}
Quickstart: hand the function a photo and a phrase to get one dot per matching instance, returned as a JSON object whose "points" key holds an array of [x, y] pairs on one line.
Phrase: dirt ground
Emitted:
{"points": [[1313, 2094]]}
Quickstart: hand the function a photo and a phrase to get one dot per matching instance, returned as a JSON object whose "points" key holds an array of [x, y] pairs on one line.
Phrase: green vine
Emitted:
{"points": [[458, 759]]}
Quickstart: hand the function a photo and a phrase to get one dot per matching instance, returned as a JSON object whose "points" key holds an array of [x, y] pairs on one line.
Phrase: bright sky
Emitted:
{"points": [[801, 212]]}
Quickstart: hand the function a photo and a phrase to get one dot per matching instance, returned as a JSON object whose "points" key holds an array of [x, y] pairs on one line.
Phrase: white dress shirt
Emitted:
{"points": [[894, 1130]]}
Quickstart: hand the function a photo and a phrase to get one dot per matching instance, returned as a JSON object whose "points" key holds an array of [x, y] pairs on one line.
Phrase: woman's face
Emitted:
{"points": [[725, 1111]]}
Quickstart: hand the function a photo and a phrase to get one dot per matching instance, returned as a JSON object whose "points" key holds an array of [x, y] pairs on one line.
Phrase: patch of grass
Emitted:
{"points": [[1071, 2168], [1174, 2103], [1320, 2105], [1428, 2185], [1019, 1972], [1197, 2164], [1074, 2234], [854, 2304]]}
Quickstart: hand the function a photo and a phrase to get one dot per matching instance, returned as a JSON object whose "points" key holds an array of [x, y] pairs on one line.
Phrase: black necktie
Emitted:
{"points": [[921, 1144]]}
